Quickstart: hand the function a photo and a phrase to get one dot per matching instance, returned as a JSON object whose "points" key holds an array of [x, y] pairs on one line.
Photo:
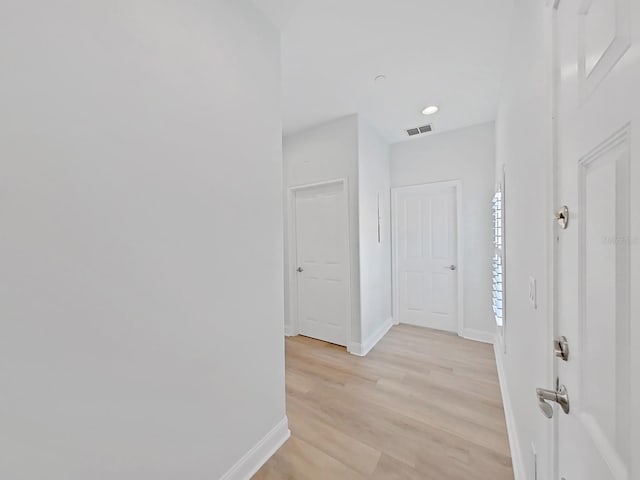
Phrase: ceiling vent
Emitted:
{"points": [[419, 130]]}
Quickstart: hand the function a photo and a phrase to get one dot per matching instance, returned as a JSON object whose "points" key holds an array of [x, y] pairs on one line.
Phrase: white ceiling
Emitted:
{"points": [[445, 52]]}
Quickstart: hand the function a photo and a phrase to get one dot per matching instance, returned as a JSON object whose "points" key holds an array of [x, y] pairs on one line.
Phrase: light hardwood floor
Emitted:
{"points": [[423, 405]]}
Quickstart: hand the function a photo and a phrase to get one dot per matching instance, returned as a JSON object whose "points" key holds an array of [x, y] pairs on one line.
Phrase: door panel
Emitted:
{"points": [[425, 245], [413, 215], [597, 112], [599, 31], [322, 255], [415, 291], [441, 294], [603, 37]]}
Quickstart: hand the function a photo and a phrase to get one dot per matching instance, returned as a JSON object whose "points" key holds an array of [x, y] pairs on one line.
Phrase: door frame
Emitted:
{"points": [[553, 201], [457, 186], [293, 328]]}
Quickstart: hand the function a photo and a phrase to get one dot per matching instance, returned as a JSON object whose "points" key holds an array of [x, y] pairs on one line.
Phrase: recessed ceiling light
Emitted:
{"points": [[430, 110]]}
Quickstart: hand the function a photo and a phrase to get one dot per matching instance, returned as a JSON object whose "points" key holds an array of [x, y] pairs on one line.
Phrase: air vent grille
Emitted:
{"points": [[419, 130]]}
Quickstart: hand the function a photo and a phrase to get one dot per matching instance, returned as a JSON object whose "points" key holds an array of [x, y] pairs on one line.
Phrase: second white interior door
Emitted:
{"points": [[322, 251], [425, 256]]}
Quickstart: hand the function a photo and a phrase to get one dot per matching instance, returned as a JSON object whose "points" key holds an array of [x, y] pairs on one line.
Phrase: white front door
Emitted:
{"points": [[322, 253], [597, 261], [425, 256]]}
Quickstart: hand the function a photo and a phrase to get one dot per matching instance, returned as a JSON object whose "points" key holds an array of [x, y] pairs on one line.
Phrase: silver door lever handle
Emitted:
{"points": [[559, 396], [450, 267], [299, 269]]}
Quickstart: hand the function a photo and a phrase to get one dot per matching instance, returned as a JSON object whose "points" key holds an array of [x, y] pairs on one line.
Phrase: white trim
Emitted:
{"points": [[512, 431], [262, 451], [292, 329], [362, 349], [553, 201], [478, 335], [324, 183], [457, 184]]}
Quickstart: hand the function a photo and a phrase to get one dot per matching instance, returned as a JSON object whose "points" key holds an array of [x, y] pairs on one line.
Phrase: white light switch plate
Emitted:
{"points": [[532, 292]]}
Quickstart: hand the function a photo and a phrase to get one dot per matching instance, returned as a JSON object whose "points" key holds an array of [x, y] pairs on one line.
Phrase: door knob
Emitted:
{"points": [[299, 270], [450, 267], [559, 396]]}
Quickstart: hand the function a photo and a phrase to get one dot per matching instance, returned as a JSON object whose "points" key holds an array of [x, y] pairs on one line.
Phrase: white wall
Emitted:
{"points": [[141, 245], [327, 152], [467, 155], [524, 146], [375, 258]]}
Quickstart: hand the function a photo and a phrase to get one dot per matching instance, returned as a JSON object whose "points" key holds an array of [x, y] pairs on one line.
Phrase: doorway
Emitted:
{"points": [[426, 240], [321, 261]]}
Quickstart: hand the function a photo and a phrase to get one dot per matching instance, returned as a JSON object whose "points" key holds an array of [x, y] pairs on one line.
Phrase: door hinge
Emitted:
{"points": [[561, 348], [562, 216]]}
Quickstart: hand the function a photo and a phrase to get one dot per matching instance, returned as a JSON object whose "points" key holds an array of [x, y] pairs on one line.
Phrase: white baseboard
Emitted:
{"points": [[361, 349], [251, 462], [514, 444], [289, 331], [478, 335]]}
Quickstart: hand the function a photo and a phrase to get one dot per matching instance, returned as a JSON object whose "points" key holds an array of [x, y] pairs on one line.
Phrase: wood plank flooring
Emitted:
{"points": [[423, 405]]}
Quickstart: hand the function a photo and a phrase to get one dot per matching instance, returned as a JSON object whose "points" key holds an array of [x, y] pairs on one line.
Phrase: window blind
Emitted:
{"points": [[498, 258]]}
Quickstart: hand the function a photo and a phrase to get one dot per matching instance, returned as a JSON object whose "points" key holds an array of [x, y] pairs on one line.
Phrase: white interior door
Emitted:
{"points": [[597, 261], [322, 252], [425, 256]]}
